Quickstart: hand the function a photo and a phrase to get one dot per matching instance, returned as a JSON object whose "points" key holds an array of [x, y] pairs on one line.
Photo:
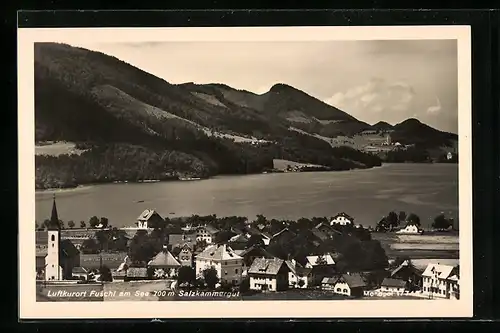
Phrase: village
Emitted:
{"points": [[335, 258]]}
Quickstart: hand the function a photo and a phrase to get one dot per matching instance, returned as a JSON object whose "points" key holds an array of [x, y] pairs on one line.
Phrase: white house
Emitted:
{"points": [[316, 260], [149, 219], [268, 274], [226, 262], [342, 219], [393, 286], [449, 156], [298, 273], [350, 285], [441, 281], [410, 229], [206, 233]]}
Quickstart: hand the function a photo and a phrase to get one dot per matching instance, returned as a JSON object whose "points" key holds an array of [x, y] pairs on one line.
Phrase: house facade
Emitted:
{"points": [[342, 219], [298, 275], [164, 265], [389, 285], [440, 281], [185, 255], [410, 229], [268, 274], [350, 285], [206, 233], [227, 263], [149, 219]]}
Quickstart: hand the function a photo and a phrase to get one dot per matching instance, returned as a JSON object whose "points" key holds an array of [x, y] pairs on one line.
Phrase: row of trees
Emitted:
{"points": [[394, 221], [93, 223]]}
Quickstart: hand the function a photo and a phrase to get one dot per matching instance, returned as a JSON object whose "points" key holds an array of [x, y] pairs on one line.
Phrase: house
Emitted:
{"points": [[298, 275], [342, 219], [449, 156], [250, 254], [268, 274], [184, 254], [350, 285], [149, 219], [55, 257], [206, 233], [410, 228], [226, 262], [440, 281], [164, 265], [327, 230], [178, 240], [80, 273], [389, 285], [284, 236], [137, 273], [408, 273], [328, 283], [238, 242], [321, 266]]}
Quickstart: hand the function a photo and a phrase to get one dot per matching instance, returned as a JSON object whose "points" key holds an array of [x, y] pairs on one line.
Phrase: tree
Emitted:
{"points": [[46, 223], [93, 222], [104, 222], [414, 219], [261, 219], [187, 275], [245, 285], [61, 224], [441, 222], [392, 220], [82, 224], [71, 224], [106, 275], [210, 277], [402, 217]]}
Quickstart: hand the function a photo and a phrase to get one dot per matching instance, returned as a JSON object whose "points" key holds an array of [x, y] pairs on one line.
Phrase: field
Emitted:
{"points": [[112, 260], [57, 148], [438, 247]]}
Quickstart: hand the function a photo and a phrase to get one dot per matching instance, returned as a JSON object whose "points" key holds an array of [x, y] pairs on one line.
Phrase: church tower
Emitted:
{"points": [[53, 269]]}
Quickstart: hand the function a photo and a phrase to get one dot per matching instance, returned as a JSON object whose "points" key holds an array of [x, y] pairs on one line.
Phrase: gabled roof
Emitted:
{"points": [[281, 232], [323, 225], [329, 280], [218, 252], [311, 260], [266, 266], [319, 234], [442, 271], [146, 215], [68, 249], [344, 215], [388, 282], [262, 252], [297, 268], [164, 259], [353, 280], [238, 238]]}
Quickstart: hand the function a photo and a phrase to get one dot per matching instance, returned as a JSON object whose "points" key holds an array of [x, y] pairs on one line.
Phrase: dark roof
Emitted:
{"points": [[353, 280], [54, 218], [164, 259], [79, 270], [387, 282], [210, 229], [328, 280], [298, 269], [256, 251], [181, 239], [344, 215], [137, 272], [68, 249], [266, 266], [319, 234]]}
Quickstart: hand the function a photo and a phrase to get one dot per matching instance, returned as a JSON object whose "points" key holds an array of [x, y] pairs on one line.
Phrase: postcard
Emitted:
{"points": [[264, 172]]}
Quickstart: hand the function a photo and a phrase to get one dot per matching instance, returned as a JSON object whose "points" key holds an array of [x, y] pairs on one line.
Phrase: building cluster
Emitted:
{"points": [[235, 260]]}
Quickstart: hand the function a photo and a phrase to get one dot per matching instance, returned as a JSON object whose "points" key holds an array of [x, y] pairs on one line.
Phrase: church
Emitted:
{"points": [[55, 258]]}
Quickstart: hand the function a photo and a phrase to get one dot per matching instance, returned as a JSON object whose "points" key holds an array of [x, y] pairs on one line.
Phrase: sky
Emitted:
{"points": [[389, 80]]}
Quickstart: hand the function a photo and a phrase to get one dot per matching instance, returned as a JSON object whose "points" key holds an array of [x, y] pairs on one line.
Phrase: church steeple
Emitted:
{"points": [[54, 218]]}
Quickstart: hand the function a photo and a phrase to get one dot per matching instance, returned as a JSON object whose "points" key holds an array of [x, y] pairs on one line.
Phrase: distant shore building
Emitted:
{"points": [[410, 228], [342, 219], [206, 233], [149, 219]]}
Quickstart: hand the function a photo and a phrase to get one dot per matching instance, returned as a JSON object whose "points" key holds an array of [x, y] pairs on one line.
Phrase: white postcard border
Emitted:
{"points": [[30, 309]]}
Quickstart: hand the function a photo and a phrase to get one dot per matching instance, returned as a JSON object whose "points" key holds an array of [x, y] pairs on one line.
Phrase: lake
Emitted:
{"points": [[367, 195]]}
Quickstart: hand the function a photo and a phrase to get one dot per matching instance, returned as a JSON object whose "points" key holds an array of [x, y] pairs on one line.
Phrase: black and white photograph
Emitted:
{"points": [[254, 169]]}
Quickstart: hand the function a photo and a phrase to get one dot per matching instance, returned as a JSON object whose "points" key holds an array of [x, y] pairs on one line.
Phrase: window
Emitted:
{"points": [[338, 289], [236, 270], [225, 272], [345, 290], [52, 244], [53, 238]]}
